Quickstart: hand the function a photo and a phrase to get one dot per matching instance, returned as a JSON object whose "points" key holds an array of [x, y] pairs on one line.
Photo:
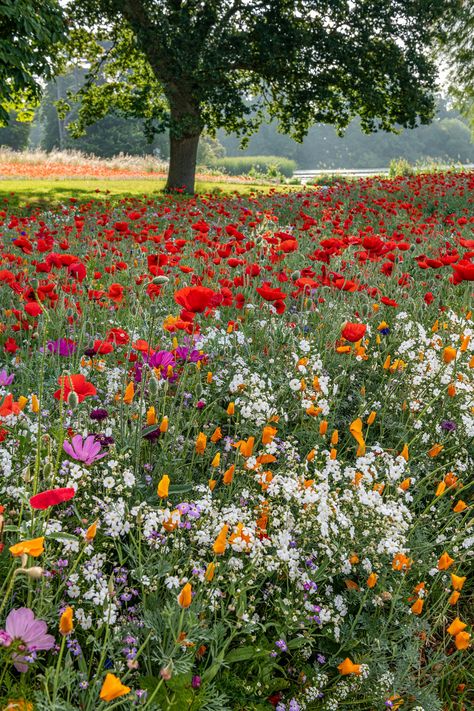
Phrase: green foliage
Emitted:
{"points": [[223, 64], [109, 136], [447, 139], [400, 167], [29, 35], [15, 134], [242, 165]]}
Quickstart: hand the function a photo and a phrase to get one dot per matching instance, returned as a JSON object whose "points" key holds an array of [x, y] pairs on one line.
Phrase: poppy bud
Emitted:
{"points": [[153, 386], [72, 400], [161, 279]]}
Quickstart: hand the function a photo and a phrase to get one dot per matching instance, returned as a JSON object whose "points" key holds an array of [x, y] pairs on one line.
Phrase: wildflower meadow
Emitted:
{"points": [[236, 450]]}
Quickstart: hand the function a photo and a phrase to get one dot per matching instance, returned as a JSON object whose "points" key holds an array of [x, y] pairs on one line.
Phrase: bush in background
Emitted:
{"points": [[242, 165]]}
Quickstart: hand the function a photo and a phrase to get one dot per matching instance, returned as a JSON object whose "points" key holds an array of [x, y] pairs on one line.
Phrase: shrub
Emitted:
{"points": [[400, 167], [268, 165]]}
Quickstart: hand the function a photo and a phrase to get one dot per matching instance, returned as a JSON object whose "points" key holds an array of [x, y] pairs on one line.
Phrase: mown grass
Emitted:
{"points": [[44, 193]]}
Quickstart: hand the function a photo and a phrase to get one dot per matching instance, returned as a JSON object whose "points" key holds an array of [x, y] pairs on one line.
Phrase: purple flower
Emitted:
{"points": [[448, 425], [22, 626], [5, 379], [98, 414], [281, 644], [183, 353], [61, 346], [196, 681], [86, 450], [161, 359]]}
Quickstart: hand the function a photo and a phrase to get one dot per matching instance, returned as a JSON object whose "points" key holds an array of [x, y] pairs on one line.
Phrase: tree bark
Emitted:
{"points": [[182, 167]]}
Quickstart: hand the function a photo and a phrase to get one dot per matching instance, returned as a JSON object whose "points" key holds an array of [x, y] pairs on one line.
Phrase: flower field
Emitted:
{"points": [[236, 451]]}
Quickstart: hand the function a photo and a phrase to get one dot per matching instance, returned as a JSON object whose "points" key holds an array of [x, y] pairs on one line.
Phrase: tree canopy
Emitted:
{"points": [[190, 65], [29, 34]]}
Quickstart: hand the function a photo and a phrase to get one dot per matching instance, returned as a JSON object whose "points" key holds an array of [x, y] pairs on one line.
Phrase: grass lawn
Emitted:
{"points": [[41, 192]]}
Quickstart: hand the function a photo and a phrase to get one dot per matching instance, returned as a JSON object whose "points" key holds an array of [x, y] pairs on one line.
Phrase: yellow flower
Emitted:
{"points": [[164, 424], [323, 427], [230, 408], [268, 434], [456, 626], [33, 547], [216, 435], [404, 452], [440, 488], [129, 395], [91, 531], [355, 428], [372, 580], [435, 450], [462, 640], [112, 688], [460, 506], [35, 404], [445, 561], [163, 486], [151, 416], [457, 581], [201, 442], [348, 667], [417, 606], [210, 570], [335, 437], [220, 544], [449, 354], [371, 418], [217, 460], [185, 596], [65, 622], [229, 474], [454, 597]]}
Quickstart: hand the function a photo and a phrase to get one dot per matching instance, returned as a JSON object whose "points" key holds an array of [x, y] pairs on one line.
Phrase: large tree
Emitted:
{"points": [[30, 31], [458, 58], [195, 65]]}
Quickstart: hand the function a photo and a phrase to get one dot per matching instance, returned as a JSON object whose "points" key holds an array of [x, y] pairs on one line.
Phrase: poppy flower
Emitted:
{"points": [[112, 688], [52, 497], [270, 293], [76, 384], [194, 299], [353, 332]]}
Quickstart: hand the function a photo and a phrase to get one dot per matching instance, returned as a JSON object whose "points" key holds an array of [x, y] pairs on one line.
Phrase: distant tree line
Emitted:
{"points": [[446, 139]]}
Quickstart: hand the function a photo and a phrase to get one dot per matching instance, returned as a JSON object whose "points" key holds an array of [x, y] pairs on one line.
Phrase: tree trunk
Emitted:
{"points": [[182, 168]]}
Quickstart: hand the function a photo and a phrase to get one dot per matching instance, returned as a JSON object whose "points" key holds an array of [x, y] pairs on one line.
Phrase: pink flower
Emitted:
{"points": [[22, 627], [86, 450]]}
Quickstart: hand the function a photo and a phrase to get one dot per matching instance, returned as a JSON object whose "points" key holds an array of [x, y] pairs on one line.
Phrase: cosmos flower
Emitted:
{"points": [[87, 450], [21, 626]]}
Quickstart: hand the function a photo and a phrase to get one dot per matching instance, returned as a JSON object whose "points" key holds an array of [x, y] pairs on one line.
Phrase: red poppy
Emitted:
{"points": [[115, 293], [74, 383], [463, 271], [353, 332], [33, 309], [103, 347], [270, 293], [194, 298], [52, 497], [118, 336]]}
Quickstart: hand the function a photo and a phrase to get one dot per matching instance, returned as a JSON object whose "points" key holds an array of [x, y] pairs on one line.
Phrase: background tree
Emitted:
{"points": [[190, 65], [29, 33], [15, 134], [109, 136], [457, 55]]}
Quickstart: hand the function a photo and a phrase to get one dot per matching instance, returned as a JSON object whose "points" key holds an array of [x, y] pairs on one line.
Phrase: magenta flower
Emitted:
{"points": [[87, 450], [5, 379], [27, 634]]}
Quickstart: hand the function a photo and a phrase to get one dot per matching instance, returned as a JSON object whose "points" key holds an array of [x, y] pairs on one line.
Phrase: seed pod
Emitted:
{"points": [[296, 275], [72, 400], [161, 279], [153, 386], [47, 469]]}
